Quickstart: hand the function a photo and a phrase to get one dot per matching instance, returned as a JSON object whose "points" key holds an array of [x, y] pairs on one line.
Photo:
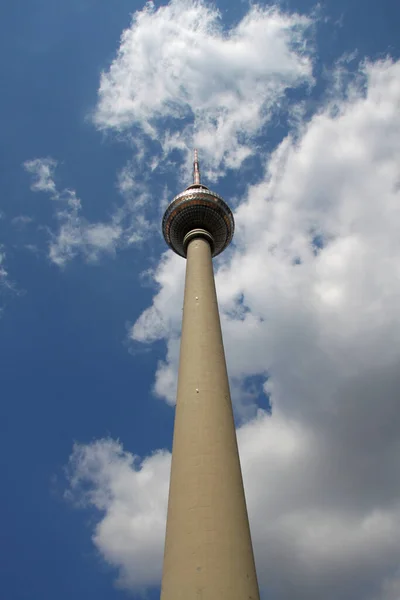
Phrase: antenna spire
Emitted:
{"points": [[196, 169]]}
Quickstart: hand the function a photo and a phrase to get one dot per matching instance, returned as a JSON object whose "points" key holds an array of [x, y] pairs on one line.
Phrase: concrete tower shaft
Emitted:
{"points": [[208, 550]]}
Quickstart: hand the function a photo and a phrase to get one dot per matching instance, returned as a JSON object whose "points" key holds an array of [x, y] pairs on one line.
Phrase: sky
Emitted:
{"points": [[295, 110]]}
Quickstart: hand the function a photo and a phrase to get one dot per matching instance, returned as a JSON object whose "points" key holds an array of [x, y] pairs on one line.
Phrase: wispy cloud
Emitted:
{"points": [[3, 271], [74, 234], [21, 221], [178, 69], [42, 170], [6, 284]]}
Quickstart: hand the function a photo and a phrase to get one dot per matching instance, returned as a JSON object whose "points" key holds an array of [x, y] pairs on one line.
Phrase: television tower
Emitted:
{"points": [[208, 551]]}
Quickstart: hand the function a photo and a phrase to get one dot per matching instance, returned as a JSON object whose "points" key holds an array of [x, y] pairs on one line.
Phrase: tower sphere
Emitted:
{"points": [[198, 208]]}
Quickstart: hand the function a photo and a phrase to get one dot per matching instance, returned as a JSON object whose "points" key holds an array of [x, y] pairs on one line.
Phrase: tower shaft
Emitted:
{"points": [[208, 549]]}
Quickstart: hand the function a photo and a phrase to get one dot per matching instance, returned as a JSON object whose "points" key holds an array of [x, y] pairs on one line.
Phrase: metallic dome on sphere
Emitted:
{"points": [[198, 208]]}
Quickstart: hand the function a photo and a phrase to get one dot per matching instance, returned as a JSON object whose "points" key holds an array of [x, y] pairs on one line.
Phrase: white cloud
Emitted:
{"points": [[309, 537], [74, 234], [131, 494], [339, 181], [180, 78], [6, 284], [21, 221], [3, 272], [42, 170], [4, 281], [218, 87]]}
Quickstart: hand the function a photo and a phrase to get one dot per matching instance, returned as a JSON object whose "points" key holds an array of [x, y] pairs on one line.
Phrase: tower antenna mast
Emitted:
{"points": [[196, 169]]}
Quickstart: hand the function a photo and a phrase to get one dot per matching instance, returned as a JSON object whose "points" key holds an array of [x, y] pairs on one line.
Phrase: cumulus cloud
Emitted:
{"points": [[324, 217], [177, 64], [132, 496], [310, 536]]}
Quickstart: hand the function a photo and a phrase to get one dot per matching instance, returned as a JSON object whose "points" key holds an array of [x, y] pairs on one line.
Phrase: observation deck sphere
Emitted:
{"points": [[198, 208]]}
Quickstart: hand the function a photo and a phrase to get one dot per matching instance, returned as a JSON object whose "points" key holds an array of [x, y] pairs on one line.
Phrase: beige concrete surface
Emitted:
{"points": [[208, 549]]}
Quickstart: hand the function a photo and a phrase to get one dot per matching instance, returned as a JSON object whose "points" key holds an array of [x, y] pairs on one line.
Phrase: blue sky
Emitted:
{"points": [[295, 110]]}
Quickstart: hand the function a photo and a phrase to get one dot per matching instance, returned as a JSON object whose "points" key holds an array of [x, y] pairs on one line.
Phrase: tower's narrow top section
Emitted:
{"points": [[197, 208], [196, 169]]}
